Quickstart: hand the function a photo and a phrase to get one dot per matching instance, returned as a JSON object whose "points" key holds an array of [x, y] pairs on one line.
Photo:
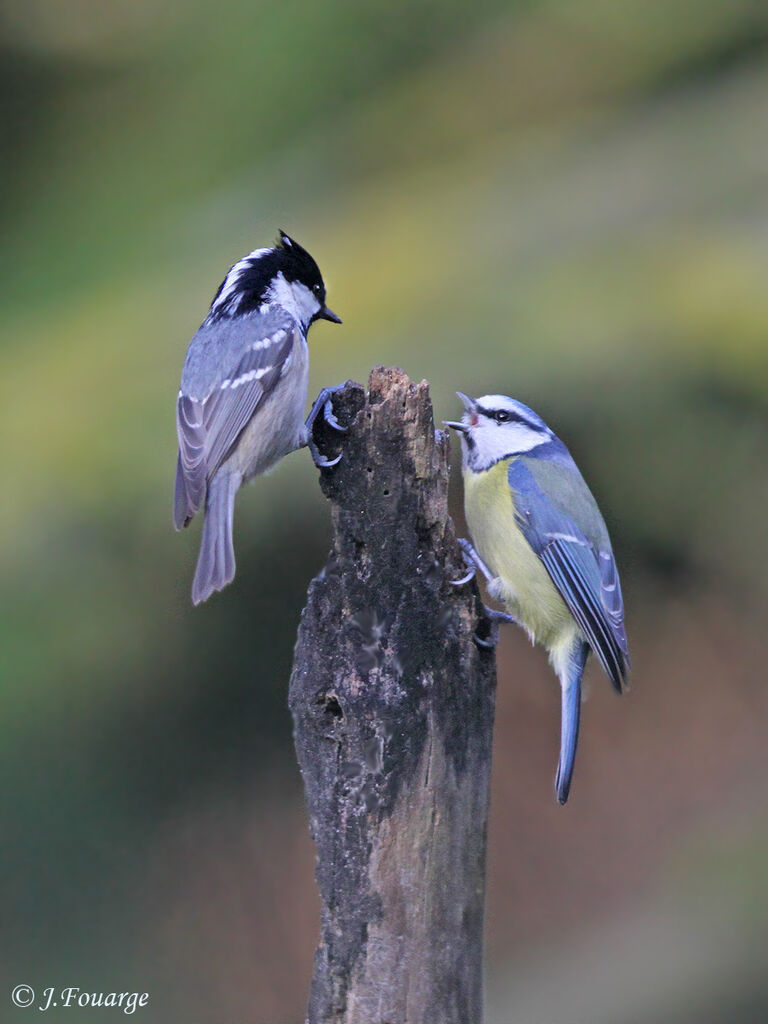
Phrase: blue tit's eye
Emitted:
{"points": [[502, 416]]}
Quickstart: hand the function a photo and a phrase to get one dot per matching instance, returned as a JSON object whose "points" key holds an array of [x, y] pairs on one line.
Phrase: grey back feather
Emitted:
{"points": [[231, 366], [216, 349]]}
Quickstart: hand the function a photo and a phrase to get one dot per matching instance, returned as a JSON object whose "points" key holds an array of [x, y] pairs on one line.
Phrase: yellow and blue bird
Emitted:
{"points": [[540, 541]]}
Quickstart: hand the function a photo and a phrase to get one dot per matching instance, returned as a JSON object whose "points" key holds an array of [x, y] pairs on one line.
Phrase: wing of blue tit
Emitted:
{"points": [[564, 527]]}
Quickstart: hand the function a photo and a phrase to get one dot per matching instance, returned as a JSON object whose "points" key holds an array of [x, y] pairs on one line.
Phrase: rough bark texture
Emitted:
{"points": [[393, 708]]}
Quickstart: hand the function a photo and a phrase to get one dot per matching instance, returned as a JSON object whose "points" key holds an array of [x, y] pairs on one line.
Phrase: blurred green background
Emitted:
{"points": [[564, 202]]}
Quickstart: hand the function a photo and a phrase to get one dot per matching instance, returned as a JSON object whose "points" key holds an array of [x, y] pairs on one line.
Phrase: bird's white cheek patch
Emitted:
{"points": [[522, 438], [493, 442], [294, 297]]}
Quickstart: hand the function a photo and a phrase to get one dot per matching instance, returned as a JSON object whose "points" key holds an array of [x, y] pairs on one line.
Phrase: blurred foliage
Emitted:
{"points": [[563, 202]]}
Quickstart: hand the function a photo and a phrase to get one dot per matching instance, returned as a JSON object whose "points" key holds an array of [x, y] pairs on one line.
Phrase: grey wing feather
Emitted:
{"points": [[216, 562], [569, 536], [221, 388], [229, 409], [613, 601], [573, 571], [190, 465]]}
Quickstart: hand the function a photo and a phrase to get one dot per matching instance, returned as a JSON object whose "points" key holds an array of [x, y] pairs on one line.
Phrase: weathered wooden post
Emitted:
{"points": [[393, 707]]}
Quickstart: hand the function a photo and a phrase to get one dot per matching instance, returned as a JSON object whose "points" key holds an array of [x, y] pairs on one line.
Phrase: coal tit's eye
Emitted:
{"points": [[317, 289], [502, 416]]}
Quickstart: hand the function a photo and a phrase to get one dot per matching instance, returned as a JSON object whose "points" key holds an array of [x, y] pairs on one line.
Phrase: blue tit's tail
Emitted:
{"points": [[570, 682], [216, 562]]}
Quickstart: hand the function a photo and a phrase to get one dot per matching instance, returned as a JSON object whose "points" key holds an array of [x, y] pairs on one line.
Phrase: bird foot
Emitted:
{"points": [[323, 404], [473, 562], [319, 459], [495, 618]]}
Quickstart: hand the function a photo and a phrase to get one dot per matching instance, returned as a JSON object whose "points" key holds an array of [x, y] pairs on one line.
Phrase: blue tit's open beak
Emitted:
{"points": [[471, 406], [328, 314]]}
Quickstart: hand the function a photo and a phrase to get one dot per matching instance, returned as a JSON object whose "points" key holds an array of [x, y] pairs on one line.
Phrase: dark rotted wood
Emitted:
{"points": [[393, 707]]}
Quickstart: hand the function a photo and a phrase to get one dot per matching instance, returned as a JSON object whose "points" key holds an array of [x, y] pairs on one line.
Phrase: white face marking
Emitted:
{"points": [[499, 402], [492, 441], [295, 298]]}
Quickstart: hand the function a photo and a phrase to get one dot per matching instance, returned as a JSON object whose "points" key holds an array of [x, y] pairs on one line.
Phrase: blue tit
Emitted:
{"points": [[240, 407], [541, 543]]}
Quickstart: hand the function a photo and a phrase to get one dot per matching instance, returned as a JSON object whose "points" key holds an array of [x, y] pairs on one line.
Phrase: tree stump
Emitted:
{"points": [[393, 706]]}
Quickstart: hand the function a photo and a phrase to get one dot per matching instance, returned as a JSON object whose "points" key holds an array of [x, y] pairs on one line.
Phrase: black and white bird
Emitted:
{"points": [[243, 392]]}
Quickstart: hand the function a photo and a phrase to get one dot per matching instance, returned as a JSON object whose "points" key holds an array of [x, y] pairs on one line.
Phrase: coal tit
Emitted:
{"points": [[240, 407]]}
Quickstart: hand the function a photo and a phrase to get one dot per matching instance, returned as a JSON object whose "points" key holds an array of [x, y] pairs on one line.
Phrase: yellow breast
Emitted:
{"points": [[522, 582]]}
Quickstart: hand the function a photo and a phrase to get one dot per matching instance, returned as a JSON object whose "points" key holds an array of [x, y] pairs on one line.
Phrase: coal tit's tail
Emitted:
{"points": [[570, 683], [216, 562]]}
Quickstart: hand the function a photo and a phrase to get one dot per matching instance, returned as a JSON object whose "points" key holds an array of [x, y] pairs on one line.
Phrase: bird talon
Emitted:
{"points": [[496, 617], [468, 553], [464, 579], [323, 403], [473, 559], [330, 418], [320, 460]]}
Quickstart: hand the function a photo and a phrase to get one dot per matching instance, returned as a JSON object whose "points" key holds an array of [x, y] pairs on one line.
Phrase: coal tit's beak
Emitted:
{"points": [[328, 314], [454, 425]]}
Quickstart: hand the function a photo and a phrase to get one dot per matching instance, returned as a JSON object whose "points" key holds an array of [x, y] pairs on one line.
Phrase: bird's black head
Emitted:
{"points": [[285, 275]]}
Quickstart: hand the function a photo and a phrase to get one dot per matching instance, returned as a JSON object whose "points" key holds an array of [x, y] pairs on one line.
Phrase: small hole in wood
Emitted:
{"points": [[330, 705], [386, 491]]}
